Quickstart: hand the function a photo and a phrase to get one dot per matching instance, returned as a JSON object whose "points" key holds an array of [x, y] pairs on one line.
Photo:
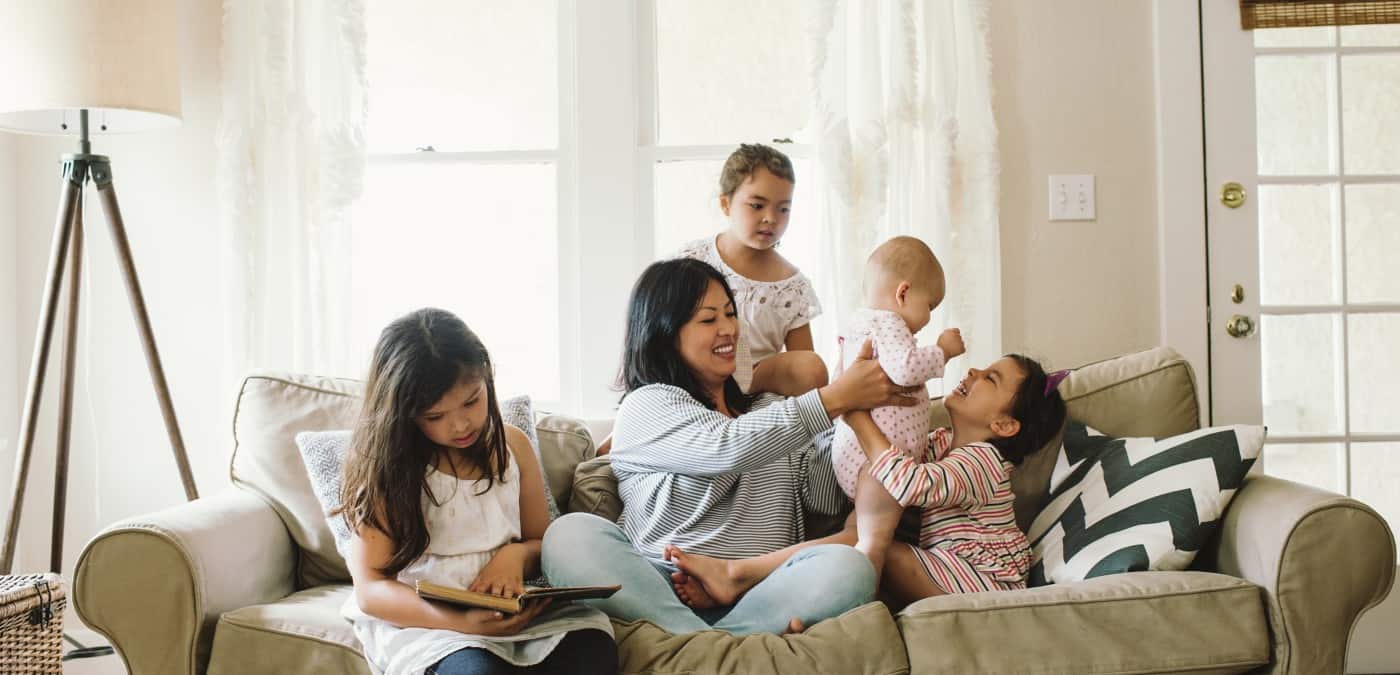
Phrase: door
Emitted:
{"points": [[1302, 172]]}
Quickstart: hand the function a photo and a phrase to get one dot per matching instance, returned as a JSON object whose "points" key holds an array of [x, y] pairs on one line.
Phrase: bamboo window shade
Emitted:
{"points": [[1299, 13]]}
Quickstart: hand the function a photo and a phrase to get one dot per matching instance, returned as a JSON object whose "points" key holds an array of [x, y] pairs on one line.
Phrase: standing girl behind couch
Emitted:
{"points": [[437, 488], [776, 301]]}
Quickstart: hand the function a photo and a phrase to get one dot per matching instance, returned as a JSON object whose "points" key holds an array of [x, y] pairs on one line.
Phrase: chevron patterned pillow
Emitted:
{"points": [[1135, 504]]}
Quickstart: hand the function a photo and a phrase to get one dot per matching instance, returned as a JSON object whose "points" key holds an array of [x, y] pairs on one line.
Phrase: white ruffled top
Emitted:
{"points": [[768, 310]]}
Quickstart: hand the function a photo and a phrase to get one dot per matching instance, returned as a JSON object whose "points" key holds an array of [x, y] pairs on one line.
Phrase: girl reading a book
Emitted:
{"points": [[437, 488], [704, 466]]}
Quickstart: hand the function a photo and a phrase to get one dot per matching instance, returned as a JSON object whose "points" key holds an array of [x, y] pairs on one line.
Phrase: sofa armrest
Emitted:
{"points": [[155, 585], [1321, 558]]}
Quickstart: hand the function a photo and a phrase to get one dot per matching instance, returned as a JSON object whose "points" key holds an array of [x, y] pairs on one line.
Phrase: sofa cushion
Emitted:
{"points": [[274, 407], [595, 489], [301, 633], [272, 410], [1137, 504], [863, 640], [1141, 622], [1150, 393], [564, 443], [305, 633]]}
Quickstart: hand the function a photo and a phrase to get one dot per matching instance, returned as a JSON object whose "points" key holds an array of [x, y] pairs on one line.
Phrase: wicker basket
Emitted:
{"points": [[31, 623]]}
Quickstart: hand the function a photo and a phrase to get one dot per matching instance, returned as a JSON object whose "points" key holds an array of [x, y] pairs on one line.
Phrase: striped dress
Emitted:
{"points": [[728, 487], [968, 539]]}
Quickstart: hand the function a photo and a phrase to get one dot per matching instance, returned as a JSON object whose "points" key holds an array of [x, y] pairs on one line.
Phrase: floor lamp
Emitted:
{"points": [[75, 67]]}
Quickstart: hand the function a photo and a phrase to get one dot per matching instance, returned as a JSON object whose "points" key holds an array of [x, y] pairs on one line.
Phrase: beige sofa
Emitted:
{"points": [[249, 580]]}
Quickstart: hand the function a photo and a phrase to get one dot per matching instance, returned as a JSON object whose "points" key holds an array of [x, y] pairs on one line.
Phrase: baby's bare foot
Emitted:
{"points": [[795, 626]]}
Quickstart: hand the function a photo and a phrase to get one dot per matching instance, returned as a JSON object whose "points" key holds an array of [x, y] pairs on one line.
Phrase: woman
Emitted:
{"points": [[702, 466]]}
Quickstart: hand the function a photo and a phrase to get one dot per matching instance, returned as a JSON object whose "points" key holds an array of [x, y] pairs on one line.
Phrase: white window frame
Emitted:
{"points": [[649, 148], [606, 149]]}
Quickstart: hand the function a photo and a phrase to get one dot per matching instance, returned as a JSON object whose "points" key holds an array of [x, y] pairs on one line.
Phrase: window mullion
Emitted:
{"points": [[606, 193], [566, 185]]}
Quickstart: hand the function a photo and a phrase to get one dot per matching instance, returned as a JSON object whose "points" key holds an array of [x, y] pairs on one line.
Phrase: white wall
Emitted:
{"points": [[1074, 94], [121, 462]]}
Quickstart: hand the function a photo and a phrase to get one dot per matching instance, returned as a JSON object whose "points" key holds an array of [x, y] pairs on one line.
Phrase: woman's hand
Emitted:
{"points": [[491, 622], [864, 385], [505, 574]]}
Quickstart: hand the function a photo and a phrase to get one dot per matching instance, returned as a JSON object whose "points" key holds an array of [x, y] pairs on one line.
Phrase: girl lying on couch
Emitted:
{"points": [[968, 539]]}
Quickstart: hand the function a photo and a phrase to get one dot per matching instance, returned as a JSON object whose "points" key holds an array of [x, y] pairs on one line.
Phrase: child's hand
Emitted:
{"points": [[951, 342], [492, 622], [504, 575]]}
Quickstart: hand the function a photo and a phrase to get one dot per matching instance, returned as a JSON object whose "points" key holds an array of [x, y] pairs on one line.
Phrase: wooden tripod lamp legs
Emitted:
{"points": [[67, 243]]}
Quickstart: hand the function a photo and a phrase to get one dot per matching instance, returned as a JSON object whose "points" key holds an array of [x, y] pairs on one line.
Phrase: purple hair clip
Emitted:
{"points": [[1054, 379]]}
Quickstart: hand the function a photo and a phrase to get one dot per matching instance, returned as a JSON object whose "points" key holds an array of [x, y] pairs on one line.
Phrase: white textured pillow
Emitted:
{"points": [[519, 412], [323, 452], [1136, 504]]}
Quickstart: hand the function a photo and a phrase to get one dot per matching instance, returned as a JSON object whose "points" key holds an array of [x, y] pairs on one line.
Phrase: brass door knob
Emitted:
{"points": [[1240, 326], [1232, 194]]}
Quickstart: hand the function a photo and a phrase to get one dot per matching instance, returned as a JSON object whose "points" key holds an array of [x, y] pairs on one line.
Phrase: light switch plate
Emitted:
{"points": [[1072, 197]]}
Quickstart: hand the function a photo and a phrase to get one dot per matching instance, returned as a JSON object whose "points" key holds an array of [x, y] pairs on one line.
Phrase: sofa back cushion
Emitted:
{"points": [[274, 407], [1150, 393]]}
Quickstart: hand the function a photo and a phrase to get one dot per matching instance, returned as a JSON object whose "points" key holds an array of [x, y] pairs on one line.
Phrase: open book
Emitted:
{"points": [[466, 598]]}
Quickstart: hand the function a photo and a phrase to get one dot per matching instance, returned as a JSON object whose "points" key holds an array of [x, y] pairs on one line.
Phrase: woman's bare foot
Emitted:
{"points": [[691, 592], [723, 580], [795, 626]]}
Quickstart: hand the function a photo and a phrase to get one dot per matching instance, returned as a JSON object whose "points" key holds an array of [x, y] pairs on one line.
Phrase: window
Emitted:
{"points": [[703, 94], [460, 208], [1329, 197], [529, 158]]}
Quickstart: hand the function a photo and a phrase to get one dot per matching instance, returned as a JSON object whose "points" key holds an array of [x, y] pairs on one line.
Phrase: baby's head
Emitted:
{"points": [[904, 277], [1012, 404]]}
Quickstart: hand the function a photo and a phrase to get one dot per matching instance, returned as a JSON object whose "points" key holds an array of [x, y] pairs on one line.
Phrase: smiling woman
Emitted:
{"points": [[705, 467], [684, 308]]}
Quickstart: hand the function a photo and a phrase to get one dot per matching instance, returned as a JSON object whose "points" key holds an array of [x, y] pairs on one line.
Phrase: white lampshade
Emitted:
{"points": [[117, 58]]}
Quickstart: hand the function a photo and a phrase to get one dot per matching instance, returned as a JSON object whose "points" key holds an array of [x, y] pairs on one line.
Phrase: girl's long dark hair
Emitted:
{"points": [[418, 358], [663, 300], [1040, 412]]}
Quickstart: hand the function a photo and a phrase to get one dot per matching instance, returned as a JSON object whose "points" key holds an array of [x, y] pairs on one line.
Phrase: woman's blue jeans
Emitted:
{"points": [[816, 583]]}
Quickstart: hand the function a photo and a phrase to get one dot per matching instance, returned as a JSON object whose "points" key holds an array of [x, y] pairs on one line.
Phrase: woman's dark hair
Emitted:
{"points": [[417, 360], [663, 300], [1040, 412]]}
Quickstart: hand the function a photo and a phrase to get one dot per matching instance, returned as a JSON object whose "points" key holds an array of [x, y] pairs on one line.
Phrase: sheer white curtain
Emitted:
{"points": [[291, 160], [905, 143]]}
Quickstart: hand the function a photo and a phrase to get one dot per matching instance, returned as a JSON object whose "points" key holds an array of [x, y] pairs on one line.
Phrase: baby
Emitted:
{"points": [[903, 285]]}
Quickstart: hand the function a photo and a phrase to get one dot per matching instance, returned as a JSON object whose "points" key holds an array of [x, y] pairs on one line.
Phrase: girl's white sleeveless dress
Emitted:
{"points": [[465, 529]]}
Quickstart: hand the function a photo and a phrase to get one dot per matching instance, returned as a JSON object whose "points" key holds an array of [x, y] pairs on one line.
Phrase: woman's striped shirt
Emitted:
{"points": [[721, 486]]}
